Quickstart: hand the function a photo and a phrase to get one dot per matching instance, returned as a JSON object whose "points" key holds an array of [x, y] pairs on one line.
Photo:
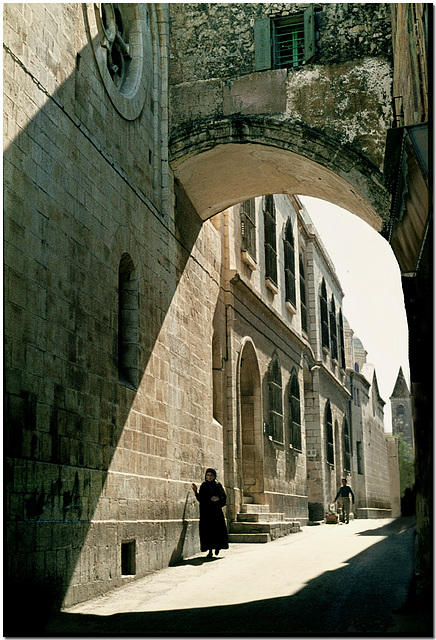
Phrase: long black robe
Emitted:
{"points": [[213, 530]]}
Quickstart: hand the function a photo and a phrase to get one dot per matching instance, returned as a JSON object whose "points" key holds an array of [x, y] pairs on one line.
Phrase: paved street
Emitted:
{"points": [[325, 580]]}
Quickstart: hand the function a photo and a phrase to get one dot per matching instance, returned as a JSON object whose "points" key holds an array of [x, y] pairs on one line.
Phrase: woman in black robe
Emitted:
{"points": [[212, 498]]}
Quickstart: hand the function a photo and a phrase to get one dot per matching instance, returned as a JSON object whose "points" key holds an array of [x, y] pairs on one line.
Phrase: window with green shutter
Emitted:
{"points": [[284, 42]]}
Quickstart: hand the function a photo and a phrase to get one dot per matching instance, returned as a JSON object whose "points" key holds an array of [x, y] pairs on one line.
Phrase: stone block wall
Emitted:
{"points": [[91, 462], [211, 40], [344, 91]]}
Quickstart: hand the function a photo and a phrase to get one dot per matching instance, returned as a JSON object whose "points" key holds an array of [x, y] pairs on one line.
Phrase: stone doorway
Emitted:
{"points": [[251, 425]]}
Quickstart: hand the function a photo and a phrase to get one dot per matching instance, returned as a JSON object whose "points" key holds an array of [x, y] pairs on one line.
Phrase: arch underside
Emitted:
{"points": [[224, 162]]}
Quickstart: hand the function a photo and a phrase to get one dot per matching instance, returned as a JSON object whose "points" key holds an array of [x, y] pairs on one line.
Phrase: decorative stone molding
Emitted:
{"points": [[121, 40], [271, 286], [248, 260]]}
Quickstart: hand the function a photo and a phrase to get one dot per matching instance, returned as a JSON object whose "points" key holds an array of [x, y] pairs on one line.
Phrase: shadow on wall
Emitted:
{"points": [[368, 596], [65, 409]]}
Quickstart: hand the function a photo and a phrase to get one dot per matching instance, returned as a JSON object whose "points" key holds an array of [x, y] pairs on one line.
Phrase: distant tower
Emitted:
{"points": [[401, 407]]}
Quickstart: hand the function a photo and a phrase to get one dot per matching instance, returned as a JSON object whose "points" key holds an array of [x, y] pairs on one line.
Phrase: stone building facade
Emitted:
{"points": [[141, 345], [410, 233]]}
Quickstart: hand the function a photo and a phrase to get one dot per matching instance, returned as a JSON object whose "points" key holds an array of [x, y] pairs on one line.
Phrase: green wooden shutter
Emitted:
{"points": [[262, 44], [309, 33]]}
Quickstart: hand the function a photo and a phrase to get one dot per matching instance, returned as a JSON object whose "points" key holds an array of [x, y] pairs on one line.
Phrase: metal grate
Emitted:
{"points": [[288, 45]]}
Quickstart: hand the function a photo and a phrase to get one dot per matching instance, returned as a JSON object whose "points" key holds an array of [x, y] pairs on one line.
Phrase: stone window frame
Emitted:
{"points": [[325, 334], [303, 297], [347, 445], [270, 243], [248, 232], [333, 330], [128, 320], [289, 267], [329, 439], [342, 362], [266, 38], [275, 401], [294, 404], [400, 410], [129, 99], [217, 379]]}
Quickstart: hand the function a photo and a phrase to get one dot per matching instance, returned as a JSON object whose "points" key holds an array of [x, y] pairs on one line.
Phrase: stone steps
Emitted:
{"points": [[255, 524], [255, 538], [260, 517]]}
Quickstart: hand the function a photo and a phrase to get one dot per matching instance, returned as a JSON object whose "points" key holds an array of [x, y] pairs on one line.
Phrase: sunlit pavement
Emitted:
{"points": [[325, 580]]}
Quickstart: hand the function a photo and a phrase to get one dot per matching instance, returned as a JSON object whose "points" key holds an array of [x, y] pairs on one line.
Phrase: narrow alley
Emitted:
{"points": [[325, 580]]}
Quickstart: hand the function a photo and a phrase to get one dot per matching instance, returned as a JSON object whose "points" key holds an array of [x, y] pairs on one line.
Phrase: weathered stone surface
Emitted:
{"points": [[336, 106], [213, 40]]}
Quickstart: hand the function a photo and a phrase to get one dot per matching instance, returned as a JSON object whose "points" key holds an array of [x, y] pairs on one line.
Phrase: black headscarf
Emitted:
{"points": [[210, 471]]}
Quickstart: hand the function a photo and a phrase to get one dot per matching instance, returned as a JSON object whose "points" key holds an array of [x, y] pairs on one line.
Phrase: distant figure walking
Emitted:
{"points": [[212, 498], [343, 497]]}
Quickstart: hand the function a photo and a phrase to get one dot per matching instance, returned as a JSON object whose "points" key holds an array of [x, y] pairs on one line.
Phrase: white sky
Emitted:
{"points": [[373, 302]]}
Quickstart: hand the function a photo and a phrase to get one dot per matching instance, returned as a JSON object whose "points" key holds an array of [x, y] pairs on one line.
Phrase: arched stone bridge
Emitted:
{"points": [[318, 129]]}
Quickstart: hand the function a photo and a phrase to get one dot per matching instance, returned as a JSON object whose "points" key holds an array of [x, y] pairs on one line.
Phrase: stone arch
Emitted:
{"points": [[220, 162], [250, 420]]}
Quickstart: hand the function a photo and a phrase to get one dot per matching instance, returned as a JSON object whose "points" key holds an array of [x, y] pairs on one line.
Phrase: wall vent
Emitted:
{"points": [[128, 558]]}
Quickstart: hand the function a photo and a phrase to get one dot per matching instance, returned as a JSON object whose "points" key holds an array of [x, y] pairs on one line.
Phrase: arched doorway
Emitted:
{"points": [[252, 474]]}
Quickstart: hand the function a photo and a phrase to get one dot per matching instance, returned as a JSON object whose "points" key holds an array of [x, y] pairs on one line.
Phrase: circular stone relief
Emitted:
{"points": [[121, 41]]}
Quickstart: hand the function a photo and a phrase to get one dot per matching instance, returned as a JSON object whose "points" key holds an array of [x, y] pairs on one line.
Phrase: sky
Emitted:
{"points": [[373, 302]]}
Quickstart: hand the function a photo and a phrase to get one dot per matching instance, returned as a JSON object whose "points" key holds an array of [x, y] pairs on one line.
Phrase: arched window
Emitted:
{"points": [[303, 302], [329, 433], [217, 376], [290, 264], [294, 413], [341, 341], [269, 218], [333, 330], [347, 446], [127, 322], [324, 316], [275, 403], [400, 410], [356, 367]]}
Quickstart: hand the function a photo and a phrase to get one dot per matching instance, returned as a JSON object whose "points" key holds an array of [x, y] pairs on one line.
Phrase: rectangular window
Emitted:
{"points": [[288, 43], [285, 41]]}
